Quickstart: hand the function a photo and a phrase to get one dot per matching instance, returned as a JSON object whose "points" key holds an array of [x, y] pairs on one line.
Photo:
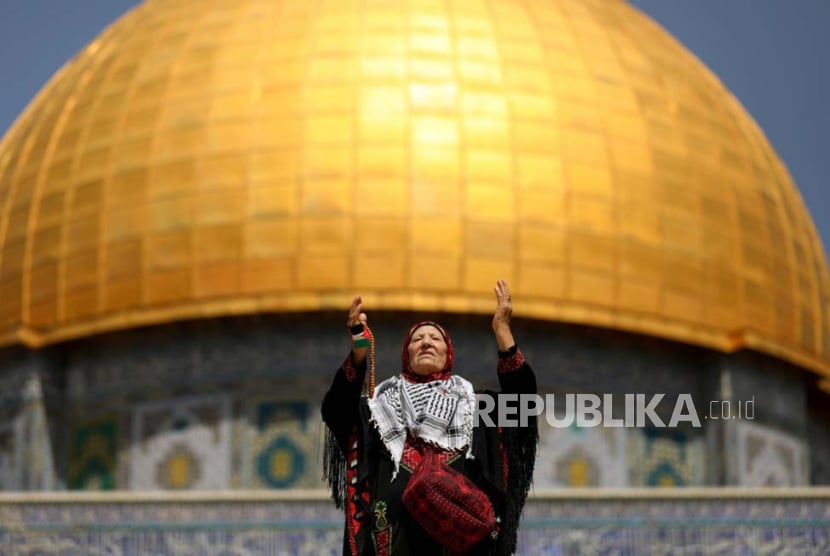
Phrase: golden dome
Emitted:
{"points": [[213, 158]]}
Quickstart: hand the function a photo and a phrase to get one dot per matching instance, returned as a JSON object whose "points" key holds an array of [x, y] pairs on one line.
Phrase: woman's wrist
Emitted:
{"points": [[504, 337]]}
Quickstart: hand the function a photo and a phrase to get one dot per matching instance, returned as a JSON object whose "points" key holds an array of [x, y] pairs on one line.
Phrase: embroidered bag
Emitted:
{"points": [[448, 505]]}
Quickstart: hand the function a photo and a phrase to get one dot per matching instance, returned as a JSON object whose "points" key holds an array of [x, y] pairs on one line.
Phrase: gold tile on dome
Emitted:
{"points": [[539, 280], [334, 129], [272, 168], [581, 118], [375, 128], [122, 259], [328, 162], [639, 222], [123, 294], [83, 231], [488, 165], [380, 197], [268, 275], [46, 246], [429, 44], [218, 243], [224, 137], [591, 252], [382, 161], [680, 305], [540, 171], [487, 132], [43, 315], [387, 234], [682, 272], [434, 272], [641, 261], [280, 200], [381, 66], [93, 164], [171, 213], [331, 69], [533, 137], [591, 214], [11, 302], [543, 207], [433, 96], [230, 106], [58, 177], [127, 222], [378, 271], [125, 186], [434, 132], [79, 303], [218, 279], [632, 157], [639, 295], [489, 239], [489, 202], [435, 163], [478, 73], [221, 206], [12, 263], [170, 249], [483, 103], [315, 272], [383, 100], [165, 179], [325, 235], [81, 270], [329, 98], [721, 288], [591, 288], [436, 197], [43, 282], [17, 225], [522, 52], [326, 196], [271, 237], [541, 244], [480, 273], [437, 235], [164, 286]]}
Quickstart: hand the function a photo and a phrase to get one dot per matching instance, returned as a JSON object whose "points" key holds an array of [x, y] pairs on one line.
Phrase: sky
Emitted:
{"points": [[770, 53]]}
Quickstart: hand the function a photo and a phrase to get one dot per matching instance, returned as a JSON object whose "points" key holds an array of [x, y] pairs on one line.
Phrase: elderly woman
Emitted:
{"points": [[413, 470]]}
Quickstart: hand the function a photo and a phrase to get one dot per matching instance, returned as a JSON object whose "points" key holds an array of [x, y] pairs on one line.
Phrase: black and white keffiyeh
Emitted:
{"points": [[439, 412]]}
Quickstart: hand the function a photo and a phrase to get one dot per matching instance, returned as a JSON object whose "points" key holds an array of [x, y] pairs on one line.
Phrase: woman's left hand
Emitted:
{"points": [[504, 308], [501, 318]]}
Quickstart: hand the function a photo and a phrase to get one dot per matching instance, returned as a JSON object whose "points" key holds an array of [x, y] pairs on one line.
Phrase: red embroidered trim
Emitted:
{"points": [[348, 369], [512, 363], [383, 541], [352, 524], [413, 453]]}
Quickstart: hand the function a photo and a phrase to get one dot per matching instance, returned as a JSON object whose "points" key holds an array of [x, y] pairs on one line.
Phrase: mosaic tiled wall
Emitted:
{"points": [[234, 404], [783, 521]]}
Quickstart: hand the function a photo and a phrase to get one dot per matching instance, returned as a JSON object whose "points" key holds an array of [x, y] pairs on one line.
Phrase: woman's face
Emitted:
{"points": [[427, 351]]}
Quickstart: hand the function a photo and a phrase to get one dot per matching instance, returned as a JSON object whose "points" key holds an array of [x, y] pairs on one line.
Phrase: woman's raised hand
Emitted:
{"points": [[355, 315], [501, 318], [360, 336]]}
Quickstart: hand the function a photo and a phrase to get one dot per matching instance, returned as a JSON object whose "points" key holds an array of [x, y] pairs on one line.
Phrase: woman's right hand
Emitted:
{"points": [[357, 318]]}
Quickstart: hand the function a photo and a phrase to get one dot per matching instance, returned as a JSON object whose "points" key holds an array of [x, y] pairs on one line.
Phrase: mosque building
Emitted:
{"points": [[188, 206]]}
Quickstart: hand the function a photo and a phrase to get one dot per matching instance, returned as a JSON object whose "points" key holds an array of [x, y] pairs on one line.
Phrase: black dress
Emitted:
{"points": [[359, 469]]}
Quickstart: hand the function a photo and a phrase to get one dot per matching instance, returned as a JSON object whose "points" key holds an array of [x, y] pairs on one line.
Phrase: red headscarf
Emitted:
{"points": [[407, 371]]}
